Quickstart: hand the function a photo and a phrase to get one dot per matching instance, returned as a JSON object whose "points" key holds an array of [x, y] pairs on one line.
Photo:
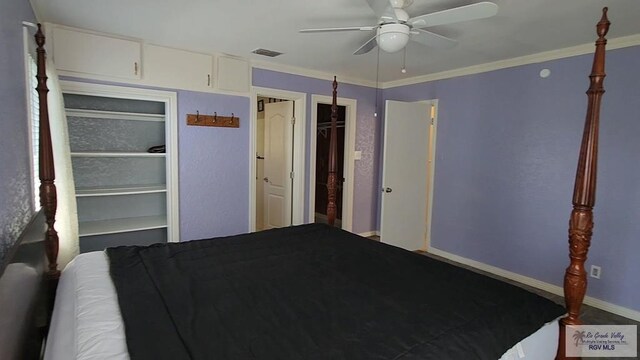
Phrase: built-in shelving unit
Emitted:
{"points": [[121, 188]]}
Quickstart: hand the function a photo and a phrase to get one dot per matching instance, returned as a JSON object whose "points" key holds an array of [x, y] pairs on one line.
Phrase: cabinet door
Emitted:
{"points": [[233, 74], [177, 68], [86, 53]]}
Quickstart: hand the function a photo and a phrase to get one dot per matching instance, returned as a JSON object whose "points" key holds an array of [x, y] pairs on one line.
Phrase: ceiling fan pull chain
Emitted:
{"points": [[404, 61], [375, 110]]}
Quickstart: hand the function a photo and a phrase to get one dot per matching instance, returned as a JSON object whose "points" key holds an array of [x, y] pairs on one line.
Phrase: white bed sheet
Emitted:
{"points": [[87, 325], [86, 322]]}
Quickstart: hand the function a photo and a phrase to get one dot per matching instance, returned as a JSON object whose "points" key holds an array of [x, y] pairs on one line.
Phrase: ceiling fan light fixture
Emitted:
{"points": [[393, 37]]}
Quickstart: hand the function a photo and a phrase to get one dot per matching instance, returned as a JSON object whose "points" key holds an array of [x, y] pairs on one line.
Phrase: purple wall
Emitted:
{"points": [[214, 168], [366, 170], [15, 184], [506, 155]]}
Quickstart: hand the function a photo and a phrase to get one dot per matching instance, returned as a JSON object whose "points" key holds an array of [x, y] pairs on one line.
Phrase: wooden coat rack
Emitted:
{"points": [[215, 120]]}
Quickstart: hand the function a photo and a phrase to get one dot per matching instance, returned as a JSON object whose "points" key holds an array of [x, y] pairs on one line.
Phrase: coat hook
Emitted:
{"points": [[231, 119], [197, 115], [215, 116]]}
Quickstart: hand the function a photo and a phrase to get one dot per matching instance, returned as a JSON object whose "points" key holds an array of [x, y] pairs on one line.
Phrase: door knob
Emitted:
{"points": [[266, 179], [388, 190]]}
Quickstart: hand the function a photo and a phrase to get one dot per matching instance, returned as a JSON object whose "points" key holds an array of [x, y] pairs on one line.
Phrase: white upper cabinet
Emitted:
{"points": [[85, 53], [175, 68], [233, 74]]}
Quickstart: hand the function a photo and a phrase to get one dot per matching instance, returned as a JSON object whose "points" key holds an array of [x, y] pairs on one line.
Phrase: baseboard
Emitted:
{"points": [[554, 289], [369, 233]]}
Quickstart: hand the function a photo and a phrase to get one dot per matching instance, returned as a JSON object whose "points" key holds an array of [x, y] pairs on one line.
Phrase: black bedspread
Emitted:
{"points": [[313, 292]]}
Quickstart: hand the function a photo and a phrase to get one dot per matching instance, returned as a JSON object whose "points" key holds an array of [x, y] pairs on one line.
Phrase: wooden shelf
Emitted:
{"points": [[115, 154], [114, 226], [114, 115], [121, 190]]}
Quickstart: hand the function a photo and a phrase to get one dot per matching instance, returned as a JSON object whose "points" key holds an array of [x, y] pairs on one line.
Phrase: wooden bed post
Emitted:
{"points": [[584, 192], [47, 174], [333, 149]]}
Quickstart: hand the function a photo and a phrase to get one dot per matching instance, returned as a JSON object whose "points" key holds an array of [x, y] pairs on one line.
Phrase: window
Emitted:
{"points": [[33, 109]]}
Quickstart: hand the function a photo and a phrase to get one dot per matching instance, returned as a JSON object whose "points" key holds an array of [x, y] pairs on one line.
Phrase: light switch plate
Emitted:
{"points": [[357, 155]]}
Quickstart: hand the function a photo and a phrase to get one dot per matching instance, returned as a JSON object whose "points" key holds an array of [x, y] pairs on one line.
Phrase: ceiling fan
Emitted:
{"points": [[395, 28]]}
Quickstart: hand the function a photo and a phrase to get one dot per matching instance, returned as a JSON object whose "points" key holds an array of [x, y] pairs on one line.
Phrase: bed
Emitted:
{"points": [[303, 292]]}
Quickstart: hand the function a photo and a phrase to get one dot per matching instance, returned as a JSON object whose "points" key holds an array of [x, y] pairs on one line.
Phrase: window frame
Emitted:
{"points": [[32, 112]]}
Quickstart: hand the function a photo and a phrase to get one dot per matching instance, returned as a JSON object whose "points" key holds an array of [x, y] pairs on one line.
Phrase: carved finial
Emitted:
{"points": [[603, 24], [335, 95], [39, 36]]}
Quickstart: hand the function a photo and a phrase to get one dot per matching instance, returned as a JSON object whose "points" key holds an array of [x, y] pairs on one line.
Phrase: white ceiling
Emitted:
{"points": [[237, 27]]}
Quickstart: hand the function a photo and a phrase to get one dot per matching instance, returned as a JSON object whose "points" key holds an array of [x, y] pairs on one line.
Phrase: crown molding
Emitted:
{"points": [[322, 75], [616, 43]]}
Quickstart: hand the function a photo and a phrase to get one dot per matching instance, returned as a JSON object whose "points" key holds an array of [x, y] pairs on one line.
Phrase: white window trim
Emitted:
{"points": [[32, 103]]}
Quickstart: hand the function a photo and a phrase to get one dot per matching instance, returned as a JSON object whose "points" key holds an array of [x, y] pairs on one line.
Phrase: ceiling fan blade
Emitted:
{"points": [[430, 39], [383, 9], [479, 10], [366, 47], [353, 28]]}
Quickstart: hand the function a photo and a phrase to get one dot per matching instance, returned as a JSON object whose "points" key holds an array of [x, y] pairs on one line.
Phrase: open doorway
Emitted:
{"points": [[277, 197], [323, 137], [319, 141]]}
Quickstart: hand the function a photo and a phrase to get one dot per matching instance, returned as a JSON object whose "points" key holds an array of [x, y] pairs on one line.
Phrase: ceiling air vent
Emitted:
{"points": [[265, 52]]}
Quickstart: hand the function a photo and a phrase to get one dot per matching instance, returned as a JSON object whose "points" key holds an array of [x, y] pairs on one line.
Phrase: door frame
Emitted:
{"points": [[299, 138], [351, 106], [431, 167]]}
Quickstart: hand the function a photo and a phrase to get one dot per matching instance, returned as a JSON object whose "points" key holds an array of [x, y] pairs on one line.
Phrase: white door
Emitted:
{"points": [[278, 156], [404, 177]]}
